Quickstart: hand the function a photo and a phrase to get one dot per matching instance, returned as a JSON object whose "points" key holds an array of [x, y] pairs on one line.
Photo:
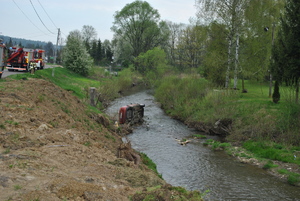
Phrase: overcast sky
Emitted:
{"points": [[20, 20]]}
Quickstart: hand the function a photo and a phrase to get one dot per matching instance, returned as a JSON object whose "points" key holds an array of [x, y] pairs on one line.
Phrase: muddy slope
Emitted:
{"points": [[51, 148]]}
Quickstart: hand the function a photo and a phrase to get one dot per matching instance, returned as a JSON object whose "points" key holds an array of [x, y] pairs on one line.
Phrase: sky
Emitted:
{"points": [[21, 21]]}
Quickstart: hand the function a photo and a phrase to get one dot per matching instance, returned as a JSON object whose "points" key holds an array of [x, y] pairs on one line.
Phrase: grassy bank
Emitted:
{"points": [[108, 87], [267, 131]]}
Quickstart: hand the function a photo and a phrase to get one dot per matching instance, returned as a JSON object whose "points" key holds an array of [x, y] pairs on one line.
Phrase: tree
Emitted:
{"points": [[276, 94], [49, 49], [139, 25], [76, 57], [231, 14], [215, 57], [191, 46], [153, 61], [286, 61], [108, 54], [89, 35], [175, 31]]}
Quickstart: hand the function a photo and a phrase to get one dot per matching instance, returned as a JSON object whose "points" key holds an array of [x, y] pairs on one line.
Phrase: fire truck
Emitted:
{"points": [[22, 59], [2, 58]]}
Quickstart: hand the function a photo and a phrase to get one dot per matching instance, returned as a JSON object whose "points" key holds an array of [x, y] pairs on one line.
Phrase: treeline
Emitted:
{"points": [[226, 40], [20, 42]]}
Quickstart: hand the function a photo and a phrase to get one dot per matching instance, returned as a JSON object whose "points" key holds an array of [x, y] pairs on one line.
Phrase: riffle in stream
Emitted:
{"points": [[195, 166]]}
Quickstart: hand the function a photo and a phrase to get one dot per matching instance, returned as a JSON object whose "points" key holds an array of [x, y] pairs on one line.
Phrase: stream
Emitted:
{"points": [[195, 166]]}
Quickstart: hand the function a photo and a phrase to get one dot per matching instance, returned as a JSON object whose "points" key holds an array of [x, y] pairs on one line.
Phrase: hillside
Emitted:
{"points": [[49, 151], [23, 42], [53, 147]]}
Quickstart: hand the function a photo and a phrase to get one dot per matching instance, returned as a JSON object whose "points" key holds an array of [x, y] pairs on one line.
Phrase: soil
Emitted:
{"points": [[53, 148]]}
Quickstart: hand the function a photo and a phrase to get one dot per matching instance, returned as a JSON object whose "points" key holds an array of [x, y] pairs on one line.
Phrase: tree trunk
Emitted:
{"points": [[297, 91], [236, 61], [228, 63]]}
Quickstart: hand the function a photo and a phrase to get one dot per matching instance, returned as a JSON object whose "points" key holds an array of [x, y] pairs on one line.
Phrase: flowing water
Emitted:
{"points": [[195, 166]]}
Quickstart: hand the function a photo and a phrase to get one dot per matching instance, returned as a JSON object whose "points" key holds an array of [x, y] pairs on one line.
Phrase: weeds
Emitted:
{"points": [[292, 178], [2, 126], [271, 150], [269, 165], [108, 136], [17, 187], [87, 144], [7, 150], [199, 136], [149, 163]]}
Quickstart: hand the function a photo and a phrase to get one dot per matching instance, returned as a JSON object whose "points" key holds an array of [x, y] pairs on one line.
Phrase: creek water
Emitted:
{"points": [[195, 166]]}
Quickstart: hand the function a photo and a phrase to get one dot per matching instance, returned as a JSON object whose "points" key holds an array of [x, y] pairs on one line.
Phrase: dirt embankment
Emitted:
{"points": [[53, 149]]}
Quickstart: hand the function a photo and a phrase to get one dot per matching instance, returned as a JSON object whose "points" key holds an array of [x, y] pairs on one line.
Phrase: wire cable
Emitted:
{"points": [[29, 18], [40, 18], [47, 13]]}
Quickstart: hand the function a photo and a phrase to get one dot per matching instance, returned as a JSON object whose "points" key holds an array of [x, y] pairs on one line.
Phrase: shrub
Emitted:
{"points": [[75, 56]]}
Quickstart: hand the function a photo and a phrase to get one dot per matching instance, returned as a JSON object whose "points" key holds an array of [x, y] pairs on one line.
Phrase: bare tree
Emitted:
{"points": [[89, 33]]}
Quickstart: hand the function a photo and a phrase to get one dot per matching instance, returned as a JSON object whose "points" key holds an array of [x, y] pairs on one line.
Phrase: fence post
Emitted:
{"points": [[92, 96]]}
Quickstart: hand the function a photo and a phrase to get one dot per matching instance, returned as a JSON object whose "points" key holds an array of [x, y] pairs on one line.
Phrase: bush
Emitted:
{"points": [[75, 56]]}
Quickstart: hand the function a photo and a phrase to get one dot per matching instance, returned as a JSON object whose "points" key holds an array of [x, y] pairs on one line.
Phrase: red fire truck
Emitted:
{"points": [[21, 59]]}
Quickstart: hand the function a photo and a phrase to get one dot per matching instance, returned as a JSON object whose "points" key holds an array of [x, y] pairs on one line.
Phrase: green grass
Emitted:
{"points": [[64, 78], [269, 165], [149, 163], [199, 136], [273, 151], [217, 144], [17, 187], [292, 178]]}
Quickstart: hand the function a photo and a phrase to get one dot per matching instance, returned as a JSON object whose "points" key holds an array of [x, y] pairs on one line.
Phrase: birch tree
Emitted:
{"points": [[231, 14]]}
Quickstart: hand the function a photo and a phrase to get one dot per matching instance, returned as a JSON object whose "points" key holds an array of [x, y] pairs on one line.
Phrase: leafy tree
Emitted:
{"points": [[191, 46], [286, 51], [231, 14], [122, 51], [99, 54], [152, 61], [93, 51], [139, 25], [214, 60], [108, 54], [76, 57]]}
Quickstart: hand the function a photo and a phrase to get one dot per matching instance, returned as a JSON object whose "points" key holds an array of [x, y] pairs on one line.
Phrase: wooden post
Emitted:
{"points": [[92, 96]]}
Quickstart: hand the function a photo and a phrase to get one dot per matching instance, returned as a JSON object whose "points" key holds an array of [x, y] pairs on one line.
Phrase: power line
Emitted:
{"points": [[47, 13], [28, 18], [40, 18]]}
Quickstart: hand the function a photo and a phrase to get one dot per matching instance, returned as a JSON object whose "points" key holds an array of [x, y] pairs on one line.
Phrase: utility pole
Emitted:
{"points": [[55, 52]]}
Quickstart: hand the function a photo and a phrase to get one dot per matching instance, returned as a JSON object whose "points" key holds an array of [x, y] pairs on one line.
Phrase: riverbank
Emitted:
{"points": [[239, 118], [54, 146], [194, 166], [286, 172]]}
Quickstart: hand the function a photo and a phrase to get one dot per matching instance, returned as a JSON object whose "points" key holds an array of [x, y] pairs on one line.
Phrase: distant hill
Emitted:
{"points": [[23, 42]]}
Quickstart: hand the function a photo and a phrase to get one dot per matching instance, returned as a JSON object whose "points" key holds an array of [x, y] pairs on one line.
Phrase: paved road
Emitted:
{"points": [[8, 73]]}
